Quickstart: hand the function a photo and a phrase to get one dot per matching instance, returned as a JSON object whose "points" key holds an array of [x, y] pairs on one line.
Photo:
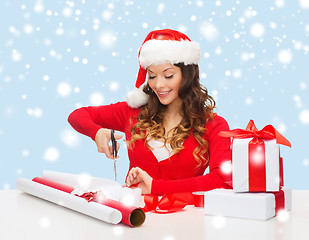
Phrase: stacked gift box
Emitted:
{"points": [[257, 187]]}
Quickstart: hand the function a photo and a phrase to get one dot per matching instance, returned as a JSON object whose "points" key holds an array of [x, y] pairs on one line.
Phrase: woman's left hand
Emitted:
{"points": [[141, 178]]}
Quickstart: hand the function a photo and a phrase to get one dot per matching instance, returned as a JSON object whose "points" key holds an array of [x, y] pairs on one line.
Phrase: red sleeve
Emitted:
{"points": [[88, 120], [219, 153]]}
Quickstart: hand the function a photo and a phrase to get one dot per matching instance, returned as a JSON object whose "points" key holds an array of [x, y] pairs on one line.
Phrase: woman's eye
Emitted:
{"points": [[149, 77], [169, 76]]}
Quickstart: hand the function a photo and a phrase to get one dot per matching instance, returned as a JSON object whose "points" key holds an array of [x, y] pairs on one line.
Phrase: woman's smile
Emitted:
{"points": [[163, 94]]}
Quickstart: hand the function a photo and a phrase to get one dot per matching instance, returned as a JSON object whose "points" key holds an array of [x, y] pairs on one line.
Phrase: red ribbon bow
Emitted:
{"points": [[169, 203], [268, 132]]}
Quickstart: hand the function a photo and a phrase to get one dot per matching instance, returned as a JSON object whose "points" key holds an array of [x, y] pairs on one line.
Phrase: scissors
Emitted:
{"points": [[114, 145]]}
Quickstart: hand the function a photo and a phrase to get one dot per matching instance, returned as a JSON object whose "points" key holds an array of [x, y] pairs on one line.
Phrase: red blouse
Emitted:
{"points": [[176, 174]]}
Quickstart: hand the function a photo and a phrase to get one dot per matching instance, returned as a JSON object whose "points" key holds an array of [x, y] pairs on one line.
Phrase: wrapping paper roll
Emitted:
{"points": [[98, 211], [85, 183], [130, 215]]}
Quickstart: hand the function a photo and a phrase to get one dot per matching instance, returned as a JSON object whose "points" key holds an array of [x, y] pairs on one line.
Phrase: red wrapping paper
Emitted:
{"points": [[131, 215], [49, 183]]}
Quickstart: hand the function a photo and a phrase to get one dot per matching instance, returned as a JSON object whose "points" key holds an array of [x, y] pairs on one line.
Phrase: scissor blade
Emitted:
{"points": [[115, 169]]}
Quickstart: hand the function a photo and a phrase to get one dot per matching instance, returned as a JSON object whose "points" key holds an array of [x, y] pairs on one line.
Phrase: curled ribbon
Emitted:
{"points": [[97, 196], [89, 196], [268, 132]]}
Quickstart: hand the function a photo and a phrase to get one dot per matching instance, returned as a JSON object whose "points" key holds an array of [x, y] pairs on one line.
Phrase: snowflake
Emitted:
{"points": [[51, 154]]}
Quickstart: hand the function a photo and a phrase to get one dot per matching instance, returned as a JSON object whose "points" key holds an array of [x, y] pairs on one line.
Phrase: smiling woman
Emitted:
{"points": [[165, 81], [171, 130]]}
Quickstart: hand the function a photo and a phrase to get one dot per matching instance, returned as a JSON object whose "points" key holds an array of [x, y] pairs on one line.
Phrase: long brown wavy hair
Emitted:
{"points": [[197, 108]]}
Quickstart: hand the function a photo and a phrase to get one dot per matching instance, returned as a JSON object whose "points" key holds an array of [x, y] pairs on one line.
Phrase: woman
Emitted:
{"points": [[171, 130]]}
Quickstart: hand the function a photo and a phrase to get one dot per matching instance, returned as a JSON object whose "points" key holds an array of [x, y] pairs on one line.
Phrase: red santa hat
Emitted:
{"points": [[161, 47]]}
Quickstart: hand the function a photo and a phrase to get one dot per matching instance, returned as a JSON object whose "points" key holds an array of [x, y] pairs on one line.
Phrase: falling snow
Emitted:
{"points": [[51, 154], [96, 99], [70, 138], [64, 89], [257, 30], [44, 222], [58, 56], [218, 222]]}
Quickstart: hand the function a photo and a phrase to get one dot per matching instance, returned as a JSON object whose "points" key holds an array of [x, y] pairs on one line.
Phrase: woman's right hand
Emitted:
{"points": [[102, 138]]}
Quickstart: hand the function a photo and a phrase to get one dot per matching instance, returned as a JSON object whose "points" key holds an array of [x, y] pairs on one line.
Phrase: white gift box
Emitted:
{"points": [[240, 163], [260, 206]]}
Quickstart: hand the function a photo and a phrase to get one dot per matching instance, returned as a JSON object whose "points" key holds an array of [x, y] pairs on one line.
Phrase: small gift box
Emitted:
{"points": [[257, 165], [260, 206]]}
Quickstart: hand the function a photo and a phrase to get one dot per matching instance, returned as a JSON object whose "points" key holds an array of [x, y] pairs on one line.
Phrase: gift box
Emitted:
{"points": [[256, 166], [260, 206], [256, 162]]}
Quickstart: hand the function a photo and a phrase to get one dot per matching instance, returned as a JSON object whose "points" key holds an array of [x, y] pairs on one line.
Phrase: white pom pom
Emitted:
{"points": [[137, 98]]}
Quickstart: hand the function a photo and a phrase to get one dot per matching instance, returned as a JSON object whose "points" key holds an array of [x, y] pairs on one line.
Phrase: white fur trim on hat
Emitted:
{"points": [[137, 98], [154, 52]]}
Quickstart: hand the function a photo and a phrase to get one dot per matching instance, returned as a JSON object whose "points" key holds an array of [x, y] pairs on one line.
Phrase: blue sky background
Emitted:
{"points": [[59, 55]]}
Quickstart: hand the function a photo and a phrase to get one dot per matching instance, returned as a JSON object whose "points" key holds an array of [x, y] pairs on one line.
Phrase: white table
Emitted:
{"points": [[26, 217]]}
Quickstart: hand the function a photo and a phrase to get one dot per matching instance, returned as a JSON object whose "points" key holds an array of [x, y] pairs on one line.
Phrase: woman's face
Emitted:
{"points": [[165, 80]]}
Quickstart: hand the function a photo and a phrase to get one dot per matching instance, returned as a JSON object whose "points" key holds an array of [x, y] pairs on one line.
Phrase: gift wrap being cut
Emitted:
{"points": [[93, 203], [84, 183], [260, 206]]}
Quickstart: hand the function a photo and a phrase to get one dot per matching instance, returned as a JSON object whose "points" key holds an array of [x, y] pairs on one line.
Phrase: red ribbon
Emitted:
{"points": [[199, 200], [169, 203], [268, 132], [257, 165], [281, 182], [280, 201], [89, 196]]}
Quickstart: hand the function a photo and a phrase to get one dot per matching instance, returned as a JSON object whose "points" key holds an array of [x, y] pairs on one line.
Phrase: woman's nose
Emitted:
{"points": [[160, 82]]}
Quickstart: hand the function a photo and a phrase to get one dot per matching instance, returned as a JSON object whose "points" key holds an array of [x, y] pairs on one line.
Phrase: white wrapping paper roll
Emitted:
{"points": [[95, 210], [86, 183]]}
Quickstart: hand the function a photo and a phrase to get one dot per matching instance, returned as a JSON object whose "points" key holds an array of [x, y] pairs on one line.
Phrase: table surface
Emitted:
{"points": [[23, 216]]}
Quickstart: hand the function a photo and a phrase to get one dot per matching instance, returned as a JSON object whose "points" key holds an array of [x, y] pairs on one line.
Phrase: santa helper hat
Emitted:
{"points": [[161, 47]]}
